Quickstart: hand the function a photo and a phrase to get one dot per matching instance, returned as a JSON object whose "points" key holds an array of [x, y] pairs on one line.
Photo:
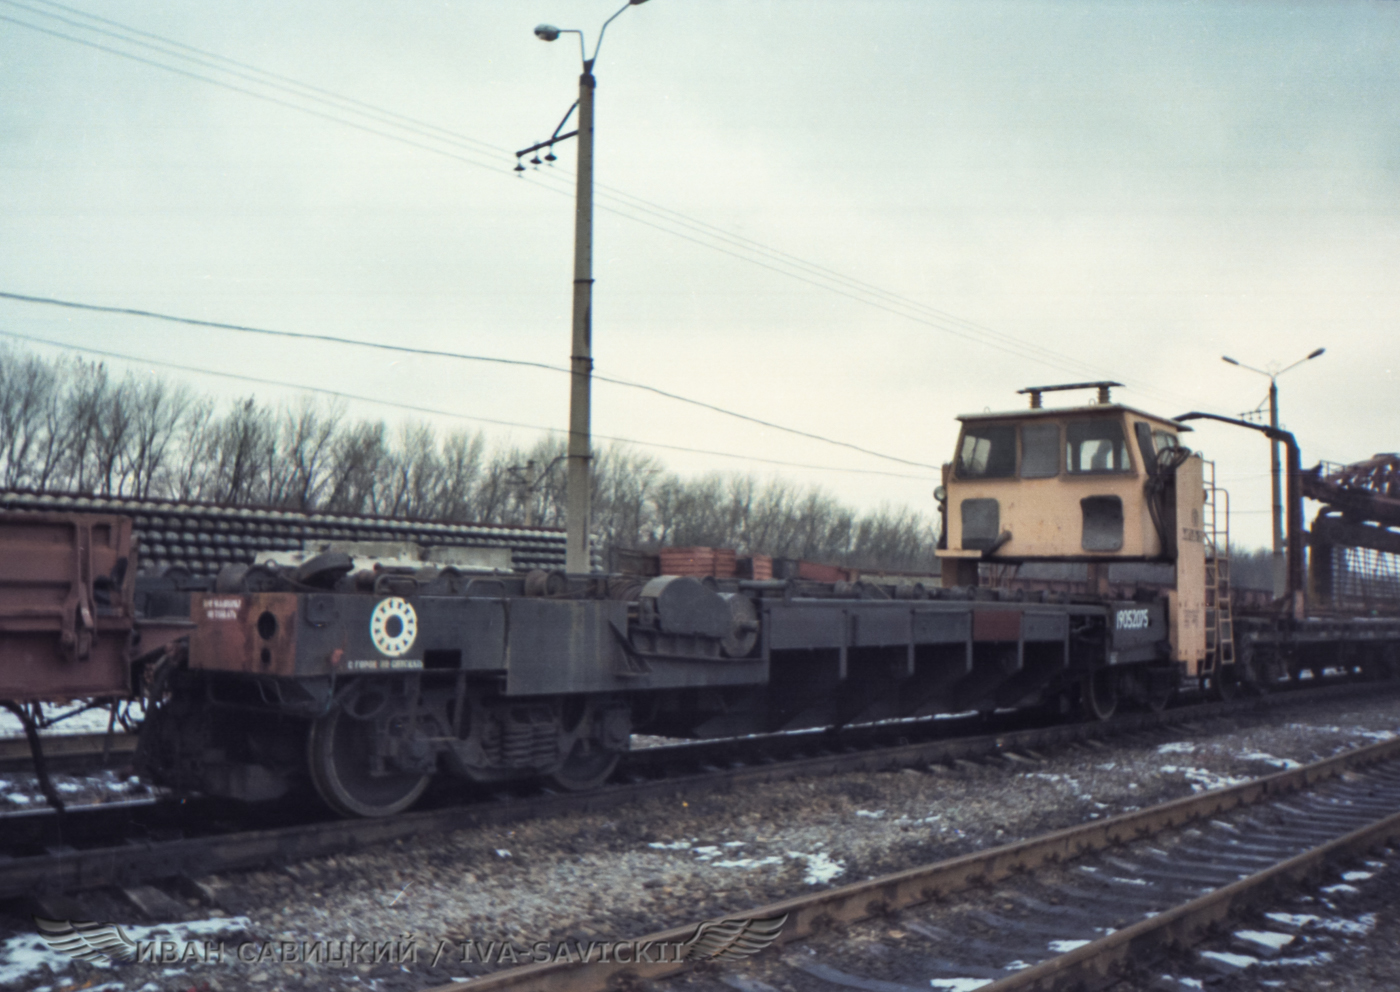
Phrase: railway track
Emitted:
{"points": [[1088, 907], [130, 847], [68, 752]]}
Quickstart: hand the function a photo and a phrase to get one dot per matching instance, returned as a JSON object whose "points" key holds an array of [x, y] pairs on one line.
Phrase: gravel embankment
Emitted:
{"points": [[657, 864]]}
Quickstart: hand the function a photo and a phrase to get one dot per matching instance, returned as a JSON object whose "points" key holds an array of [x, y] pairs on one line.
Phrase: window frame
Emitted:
{"points": [[1069, 469]]}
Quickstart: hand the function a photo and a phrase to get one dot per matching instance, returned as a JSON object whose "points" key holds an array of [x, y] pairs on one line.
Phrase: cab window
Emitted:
{"points": [[1162, 440], [987, 452], [1040, 451], [1096, 446]]}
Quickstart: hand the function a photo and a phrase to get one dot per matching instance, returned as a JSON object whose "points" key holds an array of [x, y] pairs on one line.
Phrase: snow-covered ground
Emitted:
{"points": [[93, 721]]}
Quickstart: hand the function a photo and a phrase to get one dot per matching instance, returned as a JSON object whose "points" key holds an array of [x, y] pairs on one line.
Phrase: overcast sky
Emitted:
{"points": [[1047, 192]]}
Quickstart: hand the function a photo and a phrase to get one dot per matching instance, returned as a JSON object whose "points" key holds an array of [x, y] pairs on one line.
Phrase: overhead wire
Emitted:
{"points": [[808, 272], [204, 56], [436, 411], [432, 352], [240, 89]]}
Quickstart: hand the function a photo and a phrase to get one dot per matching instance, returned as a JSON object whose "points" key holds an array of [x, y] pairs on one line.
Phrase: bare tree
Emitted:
{"points": [[157, 411], [461, 466], [27, 386], [197, 441], [305, 451], [65, 425], [360, 452]]}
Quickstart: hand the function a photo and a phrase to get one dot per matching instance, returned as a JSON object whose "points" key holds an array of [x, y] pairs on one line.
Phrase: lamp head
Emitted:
{"points": [[1227, 358], [548, 32], [1316, 353]]}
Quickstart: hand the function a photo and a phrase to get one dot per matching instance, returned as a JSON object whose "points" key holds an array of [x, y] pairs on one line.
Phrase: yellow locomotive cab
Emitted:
{"points": [[1098, 483]]}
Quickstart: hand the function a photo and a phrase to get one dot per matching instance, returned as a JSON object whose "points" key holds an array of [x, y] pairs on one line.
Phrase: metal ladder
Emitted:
{"points": [[1220, 617]]}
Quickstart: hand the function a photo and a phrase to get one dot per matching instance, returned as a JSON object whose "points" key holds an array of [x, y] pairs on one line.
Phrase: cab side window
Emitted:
{"points": [[1096, 446]]}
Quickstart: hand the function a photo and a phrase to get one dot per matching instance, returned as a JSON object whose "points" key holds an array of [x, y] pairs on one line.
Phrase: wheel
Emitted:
{"points": [[585, 768], [338, 756], [593, 739], [1100, 694]]}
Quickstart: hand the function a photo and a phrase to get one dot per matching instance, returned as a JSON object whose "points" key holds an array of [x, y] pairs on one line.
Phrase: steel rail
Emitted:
{"points": [[125, 861], [1099, 960], [1109, 959]]}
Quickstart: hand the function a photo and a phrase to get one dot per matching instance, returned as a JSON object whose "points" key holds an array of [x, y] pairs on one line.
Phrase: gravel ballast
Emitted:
{"points": [[656, 864]]}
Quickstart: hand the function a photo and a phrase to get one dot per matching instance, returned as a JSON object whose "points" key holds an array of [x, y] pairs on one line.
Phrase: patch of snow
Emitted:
{"points": [[959, 984], [1237, 961], [1203, 780], [820, 867], [1321, 957], [1266, 937], [1267, 940], [1297, 920], [88, 722], [27, 955], [772, 859], [1341, 888], [501, 852], [1358, 927], [872, 814], [1270, 759], [1065, 946], [1357, 876], [1376, 735], [676, 845], [1177, 747]]}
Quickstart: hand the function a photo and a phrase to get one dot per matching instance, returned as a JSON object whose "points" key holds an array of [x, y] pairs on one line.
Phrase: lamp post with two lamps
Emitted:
{"points": [[1280, 567], [577, 504]]}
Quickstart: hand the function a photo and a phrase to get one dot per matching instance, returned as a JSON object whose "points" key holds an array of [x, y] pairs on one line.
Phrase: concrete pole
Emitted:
{"points": [[1280, 563], [578, 501]]}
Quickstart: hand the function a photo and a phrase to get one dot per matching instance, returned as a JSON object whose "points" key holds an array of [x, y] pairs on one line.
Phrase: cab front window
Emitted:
{"points": [[1040, 451], [987, 452]]}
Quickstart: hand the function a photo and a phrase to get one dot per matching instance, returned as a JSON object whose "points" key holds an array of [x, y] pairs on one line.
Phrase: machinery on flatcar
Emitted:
{"points": [[1085, 566]]}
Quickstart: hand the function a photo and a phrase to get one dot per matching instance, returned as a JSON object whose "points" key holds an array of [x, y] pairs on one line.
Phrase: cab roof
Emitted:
{"points": [[1091, 409]]}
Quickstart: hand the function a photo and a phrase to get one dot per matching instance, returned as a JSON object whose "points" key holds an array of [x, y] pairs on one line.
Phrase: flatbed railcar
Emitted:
{"points": [[366, 671]]}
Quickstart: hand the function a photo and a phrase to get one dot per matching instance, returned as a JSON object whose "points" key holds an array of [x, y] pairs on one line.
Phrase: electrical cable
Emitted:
{"points": [[452, 354], [932, 317], [247, 92], [340, 98], [338, 394], [672, 216]]}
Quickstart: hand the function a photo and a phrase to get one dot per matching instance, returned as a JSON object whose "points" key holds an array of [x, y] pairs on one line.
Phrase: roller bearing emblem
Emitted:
{"points": [[393, 626]]}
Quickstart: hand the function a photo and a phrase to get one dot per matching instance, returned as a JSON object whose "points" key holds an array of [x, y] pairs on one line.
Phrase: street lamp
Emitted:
{"points": [[577, 509], [1280, 568]]}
